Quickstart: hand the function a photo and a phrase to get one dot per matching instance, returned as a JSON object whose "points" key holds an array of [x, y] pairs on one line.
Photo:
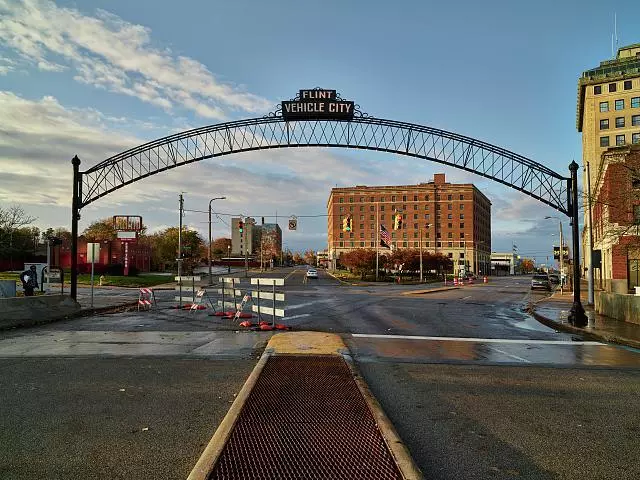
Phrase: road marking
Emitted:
{"points": [[478, 340], [296, 316], [300, 305], [464, 298], [510, 355]]}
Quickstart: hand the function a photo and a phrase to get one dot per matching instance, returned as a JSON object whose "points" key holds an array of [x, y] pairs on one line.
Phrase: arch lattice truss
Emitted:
{"points": [[368, 133]]}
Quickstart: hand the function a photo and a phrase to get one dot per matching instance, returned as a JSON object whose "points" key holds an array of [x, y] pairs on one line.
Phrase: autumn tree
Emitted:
{"points": [[220, 247], [310, 257], [100, 230], [361, 261], [165, 249], [527, 265]]}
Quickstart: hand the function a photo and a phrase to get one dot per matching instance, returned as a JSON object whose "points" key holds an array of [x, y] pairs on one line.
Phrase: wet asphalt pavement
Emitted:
{"points": [[475, 386]]}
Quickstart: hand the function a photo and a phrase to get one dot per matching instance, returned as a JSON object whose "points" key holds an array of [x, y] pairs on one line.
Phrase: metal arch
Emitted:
{"points": [[368, 133]]}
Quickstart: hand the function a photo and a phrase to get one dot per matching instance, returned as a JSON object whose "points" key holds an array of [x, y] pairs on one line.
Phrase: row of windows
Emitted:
{"points": [[416, 244], [613, 87], [394, 199], [404, 207], [620, 140], [619, 122], [427, 216], [619, 104], [404, 235]]}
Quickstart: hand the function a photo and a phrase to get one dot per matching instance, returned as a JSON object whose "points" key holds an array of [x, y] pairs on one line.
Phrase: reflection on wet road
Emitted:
{"points": [[422, 349]]}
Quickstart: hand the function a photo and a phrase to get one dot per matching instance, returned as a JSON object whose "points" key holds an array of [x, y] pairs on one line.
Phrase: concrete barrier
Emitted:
{"points": [[619, 306], [25, 311]]}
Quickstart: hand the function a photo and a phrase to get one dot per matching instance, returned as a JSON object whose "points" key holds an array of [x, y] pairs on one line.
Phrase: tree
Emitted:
{"points": [[297, 259], [100, 230], [11, 219], [165, 248], [310, 257], [361, 261], [527, 265], [219, 247]]}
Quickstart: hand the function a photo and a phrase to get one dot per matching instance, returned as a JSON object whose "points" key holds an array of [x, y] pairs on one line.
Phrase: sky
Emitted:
{"points": [[94, 78]]}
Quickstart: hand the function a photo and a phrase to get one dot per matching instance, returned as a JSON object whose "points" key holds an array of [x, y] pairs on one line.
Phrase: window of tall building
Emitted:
{"points": [[449, 244], [342, 244], [353, 244], [604, 106], [382, 208], [372, 199], [372, 244], [635, 120], [461, 234], [438, 197], [382, 199], [635, 138], [415, 216], [462, 206], [604, 141], [619, 140], [450, 235], [462, 225], [619, 122], [415, 234], [416, 244], [362, 233], [438, 235], [426, 198], [341, 235], [604, 124], [371, 208], [635, 102], [341, 200], [362, 208], [361, 217], [350, 199], [351, 208], [612, 87], [449, 197], [361, 199], [371, 217], [415, 198], [620, 104], [415, 207], [462, 216], [351, 235], [438, 207], [382, 217], [404, 244], [393, 198], [404, 207], [341, 209], [627, 84], [371, 227], [449, 216], [404, 198], [636, 214], [597, 90]]}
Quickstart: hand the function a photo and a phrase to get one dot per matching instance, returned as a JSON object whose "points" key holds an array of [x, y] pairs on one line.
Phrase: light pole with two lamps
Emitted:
{"points": [[209, 256]]}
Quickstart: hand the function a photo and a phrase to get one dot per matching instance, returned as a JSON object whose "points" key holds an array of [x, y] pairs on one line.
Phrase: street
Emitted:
{"points": [[474, 385]]}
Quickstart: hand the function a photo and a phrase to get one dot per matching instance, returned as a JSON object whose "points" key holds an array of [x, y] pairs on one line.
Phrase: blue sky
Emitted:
{"points": [[94, 78]]}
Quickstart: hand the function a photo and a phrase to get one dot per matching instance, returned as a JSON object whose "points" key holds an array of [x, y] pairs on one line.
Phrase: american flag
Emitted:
{"points": [[385, 238]]}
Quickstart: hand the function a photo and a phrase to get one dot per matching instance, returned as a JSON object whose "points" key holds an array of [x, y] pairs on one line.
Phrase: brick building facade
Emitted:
{"points": [[446, 218]]}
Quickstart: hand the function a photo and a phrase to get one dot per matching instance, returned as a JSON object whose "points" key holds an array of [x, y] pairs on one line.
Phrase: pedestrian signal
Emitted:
{"points": [[346, 225]]}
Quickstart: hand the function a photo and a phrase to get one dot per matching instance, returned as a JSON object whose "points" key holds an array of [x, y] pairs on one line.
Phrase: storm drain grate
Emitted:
{"points": [[305, 418]]}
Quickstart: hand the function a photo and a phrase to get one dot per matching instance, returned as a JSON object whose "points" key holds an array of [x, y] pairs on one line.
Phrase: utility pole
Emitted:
{"points": [[377, 238], [420, 242], [246, 247], [180, 250], [561, 258], [209, 256]]}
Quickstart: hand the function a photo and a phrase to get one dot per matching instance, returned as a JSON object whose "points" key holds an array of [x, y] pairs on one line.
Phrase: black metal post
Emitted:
{"points": [[75, 216], [577, 316]]}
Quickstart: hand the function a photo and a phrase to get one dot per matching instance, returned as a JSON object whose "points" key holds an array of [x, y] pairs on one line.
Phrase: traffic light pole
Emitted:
{"points": [[246, 249], [180, 251]]}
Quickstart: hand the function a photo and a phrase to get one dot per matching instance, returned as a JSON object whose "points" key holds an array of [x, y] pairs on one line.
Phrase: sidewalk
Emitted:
{"points": [[554, 311]]}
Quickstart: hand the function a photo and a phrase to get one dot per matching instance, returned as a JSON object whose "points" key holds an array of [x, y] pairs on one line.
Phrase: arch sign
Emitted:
{"points": [[320, 117]]}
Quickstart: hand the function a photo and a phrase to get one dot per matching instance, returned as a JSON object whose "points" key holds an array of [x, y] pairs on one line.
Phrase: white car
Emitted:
{"points": [[312, 273]]}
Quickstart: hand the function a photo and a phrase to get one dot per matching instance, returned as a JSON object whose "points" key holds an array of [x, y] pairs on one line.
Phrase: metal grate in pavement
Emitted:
{"points": [[305, 418]]}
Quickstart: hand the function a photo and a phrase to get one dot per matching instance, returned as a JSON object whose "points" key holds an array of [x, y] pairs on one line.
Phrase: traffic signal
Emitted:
{"points": [[397, 221], [346, 225], [240, 226]]}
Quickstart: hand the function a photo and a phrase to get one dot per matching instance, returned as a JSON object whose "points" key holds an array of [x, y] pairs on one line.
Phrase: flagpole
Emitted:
{"points": [[377, 235]]}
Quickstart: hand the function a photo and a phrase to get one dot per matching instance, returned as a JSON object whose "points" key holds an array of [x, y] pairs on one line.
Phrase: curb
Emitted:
{"points": [[563, 327], [399, 451], [206, 462], [430, 290]]}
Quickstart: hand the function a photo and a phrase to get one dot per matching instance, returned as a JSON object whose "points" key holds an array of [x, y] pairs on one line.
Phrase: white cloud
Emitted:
{"points": [[108, 52]]}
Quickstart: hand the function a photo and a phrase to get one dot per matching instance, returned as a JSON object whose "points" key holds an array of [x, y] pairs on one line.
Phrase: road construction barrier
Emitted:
{"points": [[189, 289], [485, 279], [455, 282], [274, 296], [146, 299]]}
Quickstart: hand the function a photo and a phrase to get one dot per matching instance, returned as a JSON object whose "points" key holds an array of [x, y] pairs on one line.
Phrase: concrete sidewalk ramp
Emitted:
{"points": [[304, 412]]}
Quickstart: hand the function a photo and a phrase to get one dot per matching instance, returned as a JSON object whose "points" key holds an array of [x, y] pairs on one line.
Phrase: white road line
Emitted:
{"points": [[300, 305], [477, 340], [510, 355], [469, 296], [296, 316]]}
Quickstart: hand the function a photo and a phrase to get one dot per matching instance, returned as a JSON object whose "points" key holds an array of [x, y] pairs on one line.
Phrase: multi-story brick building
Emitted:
{"points": [[608, 115], [446, 218]]}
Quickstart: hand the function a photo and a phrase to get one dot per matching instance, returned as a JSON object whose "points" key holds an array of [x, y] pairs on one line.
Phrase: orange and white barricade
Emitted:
{"points": [[146, 298], [455, 281], [197, 301]]}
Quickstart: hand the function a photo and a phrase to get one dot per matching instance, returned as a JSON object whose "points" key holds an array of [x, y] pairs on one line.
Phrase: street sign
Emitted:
{"points": [[293, 223], [93, 252], [127, 236]]}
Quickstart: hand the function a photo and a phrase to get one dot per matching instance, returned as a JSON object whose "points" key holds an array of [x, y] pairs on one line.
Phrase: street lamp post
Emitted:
{"points": [[420, 237], [209, 256], [561, 251], [228, 258]]}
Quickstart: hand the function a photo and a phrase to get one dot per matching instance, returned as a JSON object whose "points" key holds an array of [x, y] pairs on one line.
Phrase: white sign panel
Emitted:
{"points": [[267, 281], [93, 252]]}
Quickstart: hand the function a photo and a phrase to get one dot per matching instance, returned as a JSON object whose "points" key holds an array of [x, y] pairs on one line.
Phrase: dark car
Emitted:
{"points": [[554, 278], [540, 281]]}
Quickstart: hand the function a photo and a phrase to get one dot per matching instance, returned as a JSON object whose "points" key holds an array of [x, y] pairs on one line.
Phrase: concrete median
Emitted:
{"points": [[26, 311]]}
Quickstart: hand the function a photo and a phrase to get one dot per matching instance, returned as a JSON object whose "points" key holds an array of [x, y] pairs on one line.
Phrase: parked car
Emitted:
{"points": [[312, 273], [540, 281], [554, 278]]}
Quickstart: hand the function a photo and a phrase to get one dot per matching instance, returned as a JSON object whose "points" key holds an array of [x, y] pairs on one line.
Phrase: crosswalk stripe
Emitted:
{"points": [[478, 340]]}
